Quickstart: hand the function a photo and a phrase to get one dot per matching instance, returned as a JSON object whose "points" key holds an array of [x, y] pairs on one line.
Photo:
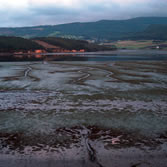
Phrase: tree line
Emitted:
{"points": [[10, 44]]}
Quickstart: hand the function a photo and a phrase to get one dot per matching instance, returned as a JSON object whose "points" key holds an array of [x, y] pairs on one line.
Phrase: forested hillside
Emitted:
{"points": [[12, 44], [100, 30], [71, 44], [9, 44], [156, 32]]}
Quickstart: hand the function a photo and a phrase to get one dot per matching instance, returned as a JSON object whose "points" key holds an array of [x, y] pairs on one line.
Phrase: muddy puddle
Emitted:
{"points": [[88, 114]]}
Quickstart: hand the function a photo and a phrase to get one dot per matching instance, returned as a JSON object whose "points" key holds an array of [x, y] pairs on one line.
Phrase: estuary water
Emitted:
{"points": [[101, 112]]}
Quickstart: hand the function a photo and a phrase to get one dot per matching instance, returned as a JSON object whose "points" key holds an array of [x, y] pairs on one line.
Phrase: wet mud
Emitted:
{"points": [[83, 114]]}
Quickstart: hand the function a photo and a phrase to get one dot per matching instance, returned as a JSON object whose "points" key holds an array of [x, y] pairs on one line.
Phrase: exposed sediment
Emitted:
{"points": [[85, 114]]}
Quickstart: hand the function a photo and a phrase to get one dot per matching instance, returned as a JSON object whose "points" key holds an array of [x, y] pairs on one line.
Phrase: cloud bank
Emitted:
{"points": [[42, 12]]}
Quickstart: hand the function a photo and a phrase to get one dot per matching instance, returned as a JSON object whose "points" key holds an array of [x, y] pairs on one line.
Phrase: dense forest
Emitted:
{"points": [[71, 44], [10, 44], [155, 32], [100, 30]]}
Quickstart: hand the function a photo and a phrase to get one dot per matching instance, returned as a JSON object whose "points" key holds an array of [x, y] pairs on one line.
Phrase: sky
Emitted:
{"points": [[17, 13]]}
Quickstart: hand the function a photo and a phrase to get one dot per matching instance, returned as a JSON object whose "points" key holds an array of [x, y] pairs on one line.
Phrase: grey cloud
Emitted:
{"points": [[90, 11], [50, 10]]}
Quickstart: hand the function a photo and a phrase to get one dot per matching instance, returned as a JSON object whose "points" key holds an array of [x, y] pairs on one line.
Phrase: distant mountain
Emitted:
{"points": [[155, 32], [104, 29]]}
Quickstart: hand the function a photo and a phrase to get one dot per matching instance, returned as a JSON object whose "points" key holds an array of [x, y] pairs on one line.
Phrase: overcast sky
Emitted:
{"points": [[43, 12]]}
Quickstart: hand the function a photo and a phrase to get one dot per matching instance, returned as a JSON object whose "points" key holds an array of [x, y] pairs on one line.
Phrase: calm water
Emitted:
{"points": [[108, 57], [84, 113], [119, 55]]}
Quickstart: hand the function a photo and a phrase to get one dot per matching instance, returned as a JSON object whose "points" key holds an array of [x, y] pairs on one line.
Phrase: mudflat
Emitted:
{"points": [[105, 113]]}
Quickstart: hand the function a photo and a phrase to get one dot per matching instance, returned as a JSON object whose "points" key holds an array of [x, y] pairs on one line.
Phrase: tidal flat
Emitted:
{"points": [[84, 114]]}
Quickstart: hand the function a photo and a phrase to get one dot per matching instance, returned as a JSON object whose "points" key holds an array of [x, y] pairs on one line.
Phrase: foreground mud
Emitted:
{"points": [[83, 114]]}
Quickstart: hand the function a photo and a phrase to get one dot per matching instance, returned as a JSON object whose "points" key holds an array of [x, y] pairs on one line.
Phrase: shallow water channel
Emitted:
{"points": [[83, 113]]}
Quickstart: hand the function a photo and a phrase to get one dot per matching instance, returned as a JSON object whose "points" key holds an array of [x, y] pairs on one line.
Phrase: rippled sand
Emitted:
{"points": [[83, 114]]}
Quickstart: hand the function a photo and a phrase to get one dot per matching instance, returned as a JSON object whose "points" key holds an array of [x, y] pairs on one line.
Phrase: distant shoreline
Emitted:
{"points": [[119, 51], [119, 55]]}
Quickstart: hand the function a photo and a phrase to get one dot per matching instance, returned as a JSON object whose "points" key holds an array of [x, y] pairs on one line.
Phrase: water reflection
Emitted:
{"points": [[70, 57], [96, 56]]}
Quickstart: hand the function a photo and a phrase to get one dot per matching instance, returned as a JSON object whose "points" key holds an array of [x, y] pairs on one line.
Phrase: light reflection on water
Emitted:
{"points": [[119, 55]]}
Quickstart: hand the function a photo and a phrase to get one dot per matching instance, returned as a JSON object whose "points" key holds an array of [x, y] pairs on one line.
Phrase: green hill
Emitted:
{"points": [[71, 44], [100, 30], [10, 44], [153, 32]]}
